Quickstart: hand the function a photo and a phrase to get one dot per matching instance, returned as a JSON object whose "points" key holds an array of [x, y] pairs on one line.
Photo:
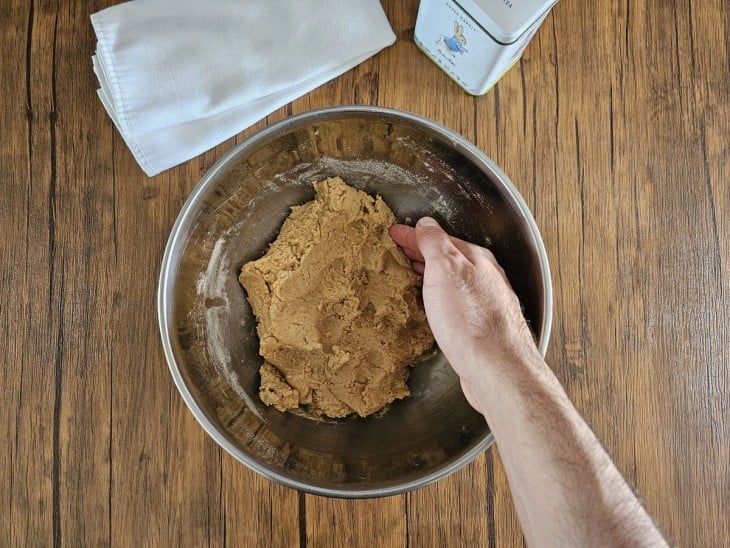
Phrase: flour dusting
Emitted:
{"points": [[211, 286]]}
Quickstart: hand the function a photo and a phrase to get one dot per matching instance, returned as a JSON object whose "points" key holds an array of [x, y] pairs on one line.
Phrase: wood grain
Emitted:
{"points": [[614, 126]]}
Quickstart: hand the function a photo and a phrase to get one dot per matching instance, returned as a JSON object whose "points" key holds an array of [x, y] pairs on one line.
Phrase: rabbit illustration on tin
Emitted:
{"points": [[456, 42]]}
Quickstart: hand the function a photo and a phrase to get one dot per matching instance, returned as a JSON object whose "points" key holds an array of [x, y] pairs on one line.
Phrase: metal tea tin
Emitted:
{"points": [[477, 41]]}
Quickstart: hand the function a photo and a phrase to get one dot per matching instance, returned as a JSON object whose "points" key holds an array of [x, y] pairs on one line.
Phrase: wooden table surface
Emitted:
{"points": [[614, 126]]}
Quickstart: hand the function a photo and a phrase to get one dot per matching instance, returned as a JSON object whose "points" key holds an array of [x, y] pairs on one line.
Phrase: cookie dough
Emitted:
{"points": [[339, 311]]}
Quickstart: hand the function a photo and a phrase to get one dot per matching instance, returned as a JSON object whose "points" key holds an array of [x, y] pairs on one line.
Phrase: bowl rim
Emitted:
{"points": [[164, 292]]}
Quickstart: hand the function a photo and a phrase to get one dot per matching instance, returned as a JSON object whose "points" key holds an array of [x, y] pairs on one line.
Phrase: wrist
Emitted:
{"points": [[503, 384]]}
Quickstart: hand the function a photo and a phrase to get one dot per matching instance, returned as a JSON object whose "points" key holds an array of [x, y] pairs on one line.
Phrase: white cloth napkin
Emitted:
{"points": [[178, 77]]}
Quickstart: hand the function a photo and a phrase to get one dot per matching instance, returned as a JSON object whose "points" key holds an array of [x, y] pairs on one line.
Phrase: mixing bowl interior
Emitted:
{"points": [[237, 209]]}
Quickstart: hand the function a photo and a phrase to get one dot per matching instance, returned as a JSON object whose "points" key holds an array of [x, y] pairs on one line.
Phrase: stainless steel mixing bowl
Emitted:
{"points": [[208, 331]]}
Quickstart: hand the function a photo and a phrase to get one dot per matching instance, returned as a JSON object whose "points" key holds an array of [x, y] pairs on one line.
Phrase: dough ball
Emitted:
{"points": [[339, 310]]}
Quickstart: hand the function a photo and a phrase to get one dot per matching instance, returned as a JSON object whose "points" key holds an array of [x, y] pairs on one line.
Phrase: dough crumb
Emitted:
{"points": [[339, 310], [275, 390]]}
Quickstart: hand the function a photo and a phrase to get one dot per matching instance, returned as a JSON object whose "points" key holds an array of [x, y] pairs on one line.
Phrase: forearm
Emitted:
{"points": [[566, 489]]}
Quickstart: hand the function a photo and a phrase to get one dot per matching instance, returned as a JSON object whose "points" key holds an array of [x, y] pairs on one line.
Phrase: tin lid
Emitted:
{"points": [[506, 20]]}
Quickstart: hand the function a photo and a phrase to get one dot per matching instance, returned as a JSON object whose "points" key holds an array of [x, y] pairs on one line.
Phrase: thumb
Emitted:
{"points": [[434, 243]]}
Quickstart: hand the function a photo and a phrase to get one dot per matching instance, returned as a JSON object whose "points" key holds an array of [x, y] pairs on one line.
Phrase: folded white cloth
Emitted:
{"points": [[178, 77]]}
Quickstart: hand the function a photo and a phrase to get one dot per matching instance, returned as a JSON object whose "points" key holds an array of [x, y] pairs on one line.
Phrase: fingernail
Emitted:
{"points": [[426, 221]]}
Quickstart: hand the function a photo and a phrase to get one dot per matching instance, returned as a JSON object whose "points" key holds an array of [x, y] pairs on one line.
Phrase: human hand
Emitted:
{"points": [[473, 312], [565, 487]]}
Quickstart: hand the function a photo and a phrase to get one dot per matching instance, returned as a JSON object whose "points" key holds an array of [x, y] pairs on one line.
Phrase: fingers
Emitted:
{"points": [[446, 253], [405, 237], [475, 254], [434, 243], [434, 236]]}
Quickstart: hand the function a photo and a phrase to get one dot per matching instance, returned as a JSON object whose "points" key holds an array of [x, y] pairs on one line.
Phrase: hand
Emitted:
{"points": [[473, 312], [565, 487]]}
